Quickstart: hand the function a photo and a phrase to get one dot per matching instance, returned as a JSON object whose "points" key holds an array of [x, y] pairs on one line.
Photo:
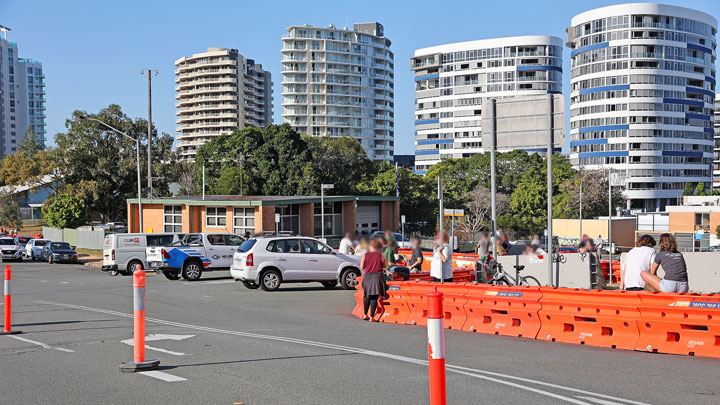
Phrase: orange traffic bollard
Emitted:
{"points": [[7, 329], [436, 347], [139, 363]]}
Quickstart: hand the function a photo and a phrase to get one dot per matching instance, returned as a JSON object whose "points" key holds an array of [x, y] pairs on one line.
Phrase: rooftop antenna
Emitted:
{"points": [[346, 23], [5, 30]]}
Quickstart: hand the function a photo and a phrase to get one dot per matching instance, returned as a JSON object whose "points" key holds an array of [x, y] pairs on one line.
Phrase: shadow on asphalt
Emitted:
{"points": [[255, 360], [62, 322]]}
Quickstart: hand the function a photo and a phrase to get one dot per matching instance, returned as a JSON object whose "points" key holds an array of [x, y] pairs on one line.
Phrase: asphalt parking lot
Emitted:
{"points": [[221, 343]]}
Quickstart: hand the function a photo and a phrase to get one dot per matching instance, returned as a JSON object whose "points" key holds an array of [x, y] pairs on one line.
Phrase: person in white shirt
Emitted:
{"points": [[441, 263], [639, 259], [346, 245]]}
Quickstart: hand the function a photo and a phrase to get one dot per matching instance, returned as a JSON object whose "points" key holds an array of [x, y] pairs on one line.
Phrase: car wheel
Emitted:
{"points": [[171, 275], [192, 270], [348, 280], [113, 273], [270, 280], [134, 266], [330, 284], [250, 285]]}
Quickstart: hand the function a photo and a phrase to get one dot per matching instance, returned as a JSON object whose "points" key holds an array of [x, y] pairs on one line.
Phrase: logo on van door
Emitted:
{"points": [[129, 241]]}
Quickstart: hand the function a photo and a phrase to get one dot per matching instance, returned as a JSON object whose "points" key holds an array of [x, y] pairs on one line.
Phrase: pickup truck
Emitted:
{"points": [[193, 254]]}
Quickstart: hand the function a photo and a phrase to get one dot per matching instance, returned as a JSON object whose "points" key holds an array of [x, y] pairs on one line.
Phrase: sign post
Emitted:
{"points": [[402, 227], [277, 222], [453, 213]]}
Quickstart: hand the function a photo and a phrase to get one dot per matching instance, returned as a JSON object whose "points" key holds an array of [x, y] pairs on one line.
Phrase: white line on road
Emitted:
{"points": [[41, 344], [162, 376], [482, 374], [599, 401]]}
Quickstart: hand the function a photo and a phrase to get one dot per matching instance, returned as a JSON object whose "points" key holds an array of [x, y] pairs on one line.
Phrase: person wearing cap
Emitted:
{"points": [[441, 263]]}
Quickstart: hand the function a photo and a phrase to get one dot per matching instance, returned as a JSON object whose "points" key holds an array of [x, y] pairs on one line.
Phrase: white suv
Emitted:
{"points": [[267, 261]]}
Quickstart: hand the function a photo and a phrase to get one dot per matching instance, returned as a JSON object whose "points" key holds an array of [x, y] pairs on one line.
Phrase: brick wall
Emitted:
{"points": [[386, 216], [152, 217], [349, 217], [202, 224], [264, 219], [307, 219], [714, 221], [682, 222]]}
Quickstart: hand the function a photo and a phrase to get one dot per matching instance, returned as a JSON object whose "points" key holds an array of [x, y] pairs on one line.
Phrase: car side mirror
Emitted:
{"points": [[73, 247]]}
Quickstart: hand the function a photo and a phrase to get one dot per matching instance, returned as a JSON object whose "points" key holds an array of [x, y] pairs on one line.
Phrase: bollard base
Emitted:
{"points": [[12, 332], [132, 367]]}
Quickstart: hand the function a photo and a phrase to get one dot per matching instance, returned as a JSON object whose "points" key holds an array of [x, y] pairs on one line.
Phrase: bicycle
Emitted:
{"points": [[500, 276]]}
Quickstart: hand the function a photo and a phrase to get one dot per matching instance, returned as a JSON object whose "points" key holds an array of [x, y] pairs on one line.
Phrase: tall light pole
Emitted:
{"points": [[137, 152], [550, 252], [493, 206], [322, 208], [150, 74], [582, 178]]}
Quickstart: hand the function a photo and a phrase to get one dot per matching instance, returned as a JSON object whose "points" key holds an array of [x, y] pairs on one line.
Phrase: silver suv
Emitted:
{"points": [[268, 261]]}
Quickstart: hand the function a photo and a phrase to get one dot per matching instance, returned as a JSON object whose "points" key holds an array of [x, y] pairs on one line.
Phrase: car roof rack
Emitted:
{"points": [[266, 234]]}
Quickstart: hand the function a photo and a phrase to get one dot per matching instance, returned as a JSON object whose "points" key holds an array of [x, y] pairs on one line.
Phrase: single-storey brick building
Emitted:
{"points": [[256, 214]]}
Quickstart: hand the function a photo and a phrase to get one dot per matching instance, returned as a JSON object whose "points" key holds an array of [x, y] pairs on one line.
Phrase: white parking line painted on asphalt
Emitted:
{"points": [[160, 336], [41, 344], [162, 376], [498, 378], [599, 401]]}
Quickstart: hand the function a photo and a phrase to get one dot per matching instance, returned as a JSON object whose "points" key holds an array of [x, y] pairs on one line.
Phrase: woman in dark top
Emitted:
{"points": [[673, 264], [373, 266]]}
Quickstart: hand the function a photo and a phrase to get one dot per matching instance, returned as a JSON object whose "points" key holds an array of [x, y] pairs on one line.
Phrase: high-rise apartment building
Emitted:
{"points": [[22, 96], [452, 80], [340, 82], [642, 98], [217, 92], [716, 152]]}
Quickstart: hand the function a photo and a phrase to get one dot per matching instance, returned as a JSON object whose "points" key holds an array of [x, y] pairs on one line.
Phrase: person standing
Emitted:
{"points": [[483, 248], [505, 242], [416, 259], [441, 264], [372, 264], [346, 245], [673, 264], [639, 260]]}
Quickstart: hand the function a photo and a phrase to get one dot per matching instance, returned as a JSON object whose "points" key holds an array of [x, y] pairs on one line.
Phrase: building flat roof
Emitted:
{"points": [[253, 201]]}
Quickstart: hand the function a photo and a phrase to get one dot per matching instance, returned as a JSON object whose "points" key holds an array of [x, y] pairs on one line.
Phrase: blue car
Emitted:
{"points": [[59, 252]]}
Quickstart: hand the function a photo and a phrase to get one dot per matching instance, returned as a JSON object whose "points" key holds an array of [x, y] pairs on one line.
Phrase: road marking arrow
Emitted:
{"points": [[158, 337]]}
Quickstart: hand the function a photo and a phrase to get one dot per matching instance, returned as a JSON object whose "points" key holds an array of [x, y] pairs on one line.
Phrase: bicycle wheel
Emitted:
{"points": [[529, 281]]}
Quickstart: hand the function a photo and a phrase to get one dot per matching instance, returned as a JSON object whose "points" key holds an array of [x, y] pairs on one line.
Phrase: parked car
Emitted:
{"points": [[403, 241], [10, 249], [266, 262], [123, 253], [715, 248], [193, 254], [22, 241], [58, 252], [603, 248], [33, 248]]}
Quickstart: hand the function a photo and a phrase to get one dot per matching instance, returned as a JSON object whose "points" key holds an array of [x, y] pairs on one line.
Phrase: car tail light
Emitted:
{"points": [[113, 254], [249, 260], [165, 254]]}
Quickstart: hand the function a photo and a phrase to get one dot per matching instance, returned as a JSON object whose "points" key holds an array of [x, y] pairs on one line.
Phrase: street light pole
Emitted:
{"points": [[137, 152], [150, 73], [582, 177]]}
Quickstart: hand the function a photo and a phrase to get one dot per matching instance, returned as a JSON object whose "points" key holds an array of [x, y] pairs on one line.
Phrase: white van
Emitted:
{"points": [[124, 252]]}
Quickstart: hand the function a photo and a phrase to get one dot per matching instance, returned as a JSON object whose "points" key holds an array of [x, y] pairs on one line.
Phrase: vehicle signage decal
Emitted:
{"points": [[178, 255], [504, 293], [394, 288], [696, 304]]}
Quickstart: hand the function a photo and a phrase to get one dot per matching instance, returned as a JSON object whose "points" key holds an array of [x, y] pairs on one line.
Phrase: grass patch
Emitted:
{"points": [[89, 252]]}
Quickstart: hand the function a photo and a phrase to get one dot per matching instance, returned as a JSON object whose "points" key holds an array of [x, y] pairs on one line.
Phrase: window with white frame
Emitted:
{"points": [[244, 221], [215, 216], [172, 218], [333, 219]]}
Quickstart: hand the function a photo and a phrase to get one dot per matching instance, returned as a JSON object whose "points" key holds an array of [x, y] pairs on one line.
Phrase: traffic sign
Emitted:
{"points": [[454, 213]]}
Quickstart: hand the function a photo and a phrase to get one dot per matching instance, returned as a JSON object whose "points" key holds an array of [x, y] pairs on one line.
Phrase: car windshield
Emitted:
{"points": [[6, 241], [60, 245], [246, 246], [40, 242]]}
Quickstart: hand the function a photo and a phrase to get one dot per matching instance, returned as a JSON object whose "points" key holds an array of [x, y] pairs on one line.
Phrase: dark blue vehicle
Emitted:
{"points": [[59, 252]]}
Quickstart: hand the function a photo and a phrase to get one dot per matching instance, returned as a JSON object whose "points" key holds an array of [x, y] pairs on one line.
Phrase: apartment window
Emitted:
{"points": [[702, 221], [172, 218], [215, 216], [244, 221], [333, 219]]}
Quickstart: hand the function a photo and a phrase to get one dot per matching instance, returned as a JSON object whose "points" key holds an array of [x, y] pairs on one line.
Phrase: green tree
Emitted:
{"points": [[689, 189], [339, 161], [65, 211], [31, 143], [10, 209], [700, 189]]}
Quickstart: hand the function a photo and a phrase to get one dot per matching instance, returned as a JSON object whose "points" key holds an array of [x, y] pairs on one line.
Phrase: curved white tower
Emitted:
{"points": [[452, 80], [642, 97]]}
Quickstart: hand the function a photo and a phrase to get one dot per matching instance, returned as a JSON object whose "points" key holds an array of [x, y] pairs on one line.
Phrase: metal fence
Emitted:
{"points": [[84, 239]]}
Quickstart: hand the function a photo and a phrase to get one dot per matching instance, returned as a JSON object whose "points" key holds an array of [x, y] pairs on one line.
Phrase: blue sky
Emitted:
{"points": [[93, 51]]}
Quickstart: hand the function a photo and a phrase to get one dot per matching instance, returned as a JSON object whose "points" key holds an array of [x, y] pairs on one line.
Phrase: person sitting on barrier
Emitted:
{"points": [[483, 248], [416, 259], [500, 249], [639, 260], [390, 239], [372, 264], [441, 264], [673, 264], [392, 266]]}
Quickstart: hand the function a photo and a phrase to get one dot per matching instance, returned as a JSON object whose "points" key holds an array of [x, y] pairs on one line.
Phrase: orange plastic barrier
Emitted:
{"points": [[459, 259], [417, 301], [395, 307], [503, 310], [680, 324], [454, 302], [596, 318], [358, 310], [616, 269]]}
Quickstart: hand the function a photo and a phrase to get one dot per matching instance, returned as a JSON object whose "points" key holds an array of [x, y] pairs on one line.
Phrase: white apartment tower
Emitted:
{"points": [[217, 92], [340, 82], [22, 96], [642, 98], [452, 80]]}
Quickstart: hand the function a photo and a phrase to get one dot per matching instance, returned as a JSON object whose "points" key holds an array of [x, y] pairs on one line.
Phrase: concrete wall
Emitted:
{"points": [[623, 229], [574, 273], [703, 271]]}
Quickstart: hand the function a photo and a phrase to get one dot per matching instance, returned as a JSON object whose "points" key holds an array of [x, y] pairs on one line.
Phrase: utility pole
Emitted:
{"points": [[582, 177], [610, 225], [150, 74], [493, 141], [550, 252], [440, 198]]}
